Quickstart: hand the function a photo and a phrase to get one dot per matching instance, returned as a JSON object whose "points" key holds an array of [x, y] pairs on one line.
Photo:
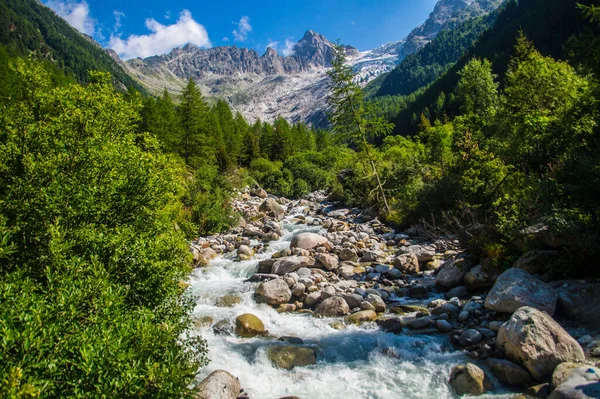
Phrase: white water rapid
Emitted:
{"points": [[358, 362]]}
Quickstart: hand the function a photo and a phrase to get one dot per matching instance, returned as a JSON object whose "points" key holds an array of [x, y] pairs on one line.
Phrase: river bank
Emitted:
{"points": [[335, 304]]}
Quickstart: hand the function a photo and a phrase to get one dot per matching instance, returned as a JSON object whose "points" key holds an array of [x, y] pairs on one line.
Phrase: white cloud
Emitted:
{"points": [[77, 14], [288, 49], [118, 15], [168, 14], [272, 44], [225, 39], [163, 38], [241, 33]]}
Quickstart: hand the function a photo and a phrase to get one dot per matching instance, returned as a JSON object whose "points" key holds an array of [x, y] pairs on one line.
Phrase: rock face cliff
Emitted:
{"points": [[293, 86]]}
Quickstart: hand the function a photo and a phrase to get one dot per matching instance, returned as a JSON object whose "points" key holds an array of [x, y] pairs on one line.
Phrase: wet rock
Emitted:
{"points": [[329, 262], [535, 262], [534, 340], [418, 292], [457, 292], [244, 252], [353, 300], [273, 292], [361, 317], [479, 278], [364, 305], [516, 288], [509, 373], [204, 321], [202, 257], [391, 324], [290, 264], [447, 308], [224, 327], [271, 208], [218, 385], [582, 383], [407, 263], [463, 316], [289, 356], [307, 241], [258, 277], [452, 274], [470, 337], [228, 301], [468, 379], [332, 307], [443, 326], [249, 326], [495, 325], [419, 323]]}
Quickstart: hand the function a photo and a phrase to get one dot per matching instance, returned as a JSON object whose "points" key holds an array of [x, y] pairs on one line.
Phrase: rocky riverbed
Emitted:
{"points": [[309, 300]]}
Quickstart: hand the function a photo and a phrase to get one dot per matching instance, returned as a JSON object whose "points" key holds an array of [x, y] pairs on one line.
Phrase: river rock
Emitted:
{"points": [[329, 262], [218, 385], [228, 301], [271, 208], [361, 317], [307, 241], [353, 300], [312, 299], [249, 326], [202, 257], [452, 274], [287, 357], [516, 288], [332, 307], [346, 271], [224, 327], [290, 264], [407, 263], [562, 372], [377, 302], [533, 339], [244, 252], [447, 308], [479, 278], [390, 324], [583, 383], [468, 379], [298, 290], [348, 254], [509, 373], [443, 326], [419, 323], [424, 253], [470, 337], [273, 292], [535, 262]]}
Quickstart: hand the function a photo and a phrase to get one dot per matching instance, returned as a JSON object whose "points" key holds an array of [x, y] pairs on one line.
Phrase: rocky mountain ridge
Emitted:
{"points": [[293, 86]]}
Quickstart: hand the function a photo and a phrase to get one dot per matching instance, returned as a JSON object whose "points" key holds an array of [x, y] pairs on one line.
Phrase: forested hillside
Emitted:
{"points": [[28, 27]]}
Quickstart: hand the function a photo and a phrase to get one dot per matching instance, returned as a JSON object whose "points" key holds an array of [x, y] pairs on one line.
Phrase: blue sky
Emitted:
{"points": [[147, 27]]}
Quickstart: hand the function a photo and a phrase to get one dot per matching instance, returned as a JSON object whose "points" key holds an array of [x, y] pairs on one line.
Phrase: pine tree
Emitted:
{"points": [[349, 115]]}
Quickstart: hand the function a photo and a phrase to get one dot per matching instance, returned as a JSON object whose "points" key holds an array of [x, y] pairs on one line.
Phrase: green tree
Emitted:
{"points": [[198, 145], [349, 115], [477, 89]]}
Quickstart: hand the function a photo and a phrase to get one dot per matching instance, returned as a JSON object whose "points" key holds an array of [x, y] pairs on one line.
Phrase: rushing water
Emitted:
{"points": [[358, 362]]}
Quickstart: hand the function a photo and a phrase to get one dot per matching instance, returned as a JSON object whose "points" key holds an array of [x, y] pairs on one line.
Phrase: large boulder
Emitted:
{"points": [[479, 278], [468, 379], [509, 373], [289, 356], [582, 383], [203, 256], [249, 326], [534, 340], [273, 292], [452, 274], [407, 263], [290, 264], [307, 241], [244, 252], [271, 208], [361, 317], [579, 300], [218, 385], [516, 288], [332, 307]]}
